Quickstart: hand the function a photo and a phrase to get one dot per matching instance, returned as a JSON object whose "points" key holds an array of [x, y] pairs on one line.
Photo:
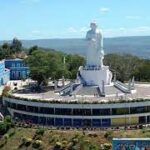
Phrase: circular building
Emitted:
{"points": [[93, 101]]}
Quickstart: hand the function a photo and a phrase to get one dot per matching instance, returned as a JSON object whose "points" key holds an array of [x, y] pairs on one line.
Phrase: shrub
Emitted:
{"points": [[93, 147], [107, 146], [6, 91], [6, 136], [12, 132], [3, 128], [140, 126], [108, 134], [54, 138], [40, 131], [8, 121], [58, 146], [37, 144], [64, 143], [26, 141], [75, 141], [3, 141]]}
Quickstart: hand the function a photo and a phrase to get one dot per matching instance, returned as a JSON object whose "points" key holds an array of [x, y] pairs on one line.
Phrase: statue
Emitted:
{"points": [[94, 72], [95, 53]]}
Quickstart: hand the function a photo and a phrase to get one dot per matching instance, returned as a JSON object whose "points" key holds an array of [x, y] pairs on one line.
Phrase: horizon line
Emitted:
{"points": [[57, 38]]}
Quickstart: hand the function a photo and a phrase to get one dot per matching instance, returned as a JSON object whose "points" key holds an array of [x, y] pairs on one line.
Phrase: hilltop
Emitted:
{"points": [[135, 45]]}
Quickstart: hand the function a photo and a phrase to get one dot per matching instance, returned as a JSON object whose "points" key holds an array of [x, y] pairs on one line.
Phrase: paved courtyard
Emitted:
{"points": [[142, 91]]}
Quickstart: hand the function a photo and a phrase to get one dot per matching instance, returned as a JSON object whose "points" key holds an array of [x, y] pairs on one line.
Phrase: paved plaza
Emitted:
{"points": [[141, 91]]}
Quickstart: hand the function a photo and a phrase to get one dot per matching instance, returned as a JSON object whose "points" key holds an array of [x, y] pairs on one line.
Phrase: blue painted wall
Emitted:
{"points": [[4, 73], [18, 69]]}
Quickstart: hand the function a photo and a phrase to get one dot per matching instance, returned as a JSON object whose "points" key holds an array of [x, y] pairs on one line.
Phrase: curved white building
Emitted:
{"points": [[74, 114]]}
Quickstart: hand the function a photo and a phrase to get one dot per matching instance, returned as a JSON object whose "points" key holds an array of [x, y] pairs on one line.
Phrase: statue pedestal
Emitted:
{"points": [[95, 75]]}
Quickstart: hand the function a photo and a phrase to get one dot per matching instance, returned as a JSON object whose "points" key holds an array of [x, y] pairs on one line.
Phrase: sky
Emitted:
{"points": [[45, 19]]}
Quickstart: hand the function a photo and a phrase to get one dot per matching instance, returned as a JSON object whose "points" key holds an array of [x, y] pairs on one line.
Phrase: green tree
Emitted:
{"points": [[143, 72], [73, 62], [5, 50], [124, 65], [39, 66], [16, 45], [32, 49], [44, 65]]}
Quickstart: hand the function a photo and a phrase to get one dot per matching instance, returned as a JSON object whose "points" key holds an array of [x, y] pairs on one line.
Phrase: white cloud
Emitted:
{"points": [[77, 30], [72, 30], [104, 10], [122, 31], [133, 17], [83, 29], [142, 29], [35, 31]]}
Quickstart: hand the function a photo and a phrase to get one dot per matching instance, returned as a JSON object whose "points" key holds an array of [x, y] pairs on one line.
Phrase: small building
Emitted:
{"points": [[18, 69], [4, 73]]}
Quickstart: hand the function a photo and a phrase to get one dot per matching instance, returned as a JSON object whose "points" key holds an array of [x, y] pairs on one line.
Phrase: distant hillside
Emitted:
{"points": [[136, 45]]}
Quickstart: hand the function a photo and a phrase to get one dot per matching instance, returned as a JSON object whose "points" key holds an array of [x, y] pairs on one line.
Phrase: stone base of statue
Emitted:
{"points": [[90, 76]]}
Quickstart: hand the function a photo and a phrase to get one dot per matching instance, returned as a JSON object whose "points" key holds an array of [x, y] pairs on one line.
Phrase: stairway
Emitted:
{"points": [[122, 87]]}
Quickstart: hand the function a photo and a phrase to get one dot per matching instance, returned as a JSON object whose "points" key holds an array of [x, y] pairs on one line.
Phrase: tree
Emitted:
{"points": [[143, 72], [5, 50], [124, 65], [73, 62], [44, 65], [39, 66], [16, 45], [32, 49]]}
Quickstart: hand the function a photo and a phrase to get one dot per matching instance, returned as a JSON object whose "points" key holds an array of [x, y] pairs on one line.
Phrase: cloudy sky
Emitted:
{"points": [[38, 19]]}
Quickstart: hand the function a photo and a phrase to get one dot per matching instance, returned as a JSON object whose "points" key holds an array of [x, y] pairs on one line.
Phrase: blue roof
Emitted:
{"points": [[13, 59]]}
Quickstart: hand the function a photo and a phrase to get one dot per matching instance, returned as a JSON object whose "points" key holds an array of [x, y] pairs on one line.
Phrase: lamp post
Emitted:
{"points": [[63, 78], [82, 100], [125, 112]]}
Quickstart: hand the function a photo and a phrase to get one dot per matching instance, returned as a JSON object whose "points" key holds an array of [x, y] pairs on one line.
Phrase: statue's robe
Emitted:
{"points": [[95, 48]]}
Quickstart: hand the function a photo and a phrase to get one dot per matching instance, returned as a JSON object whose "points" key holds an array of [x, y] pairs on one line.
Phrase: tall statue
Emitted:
{"points": [[95, 53]]}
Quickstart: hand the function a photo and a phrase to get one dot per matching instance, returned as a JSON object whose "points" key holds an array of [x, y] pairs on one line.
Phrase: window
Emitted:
{"points": [[134, 110], [106, 122], [63, 111], [142, 119], [13, 105], [18, 64], [101, 112], [21, 107], [13, 65], [86, 122], [148, 119], [42, 120], [50, 121], [77, 122], [32, 109], [58, 122], [45, 110], [120, 111], [67, 122], [84, 112], [96, 122]]}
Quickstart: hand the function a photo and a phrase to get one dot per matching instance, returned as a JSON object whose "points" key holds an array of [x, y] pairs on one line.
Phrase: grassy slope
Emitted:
{"points": [[50, 137]]}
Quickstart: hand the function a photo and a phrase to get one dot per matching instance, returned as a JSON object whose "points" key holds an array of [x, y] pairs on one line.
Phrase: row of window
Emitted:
{"points": [[16, 64], [64, 122], [72, 122], [19, 74], [79, 112]]}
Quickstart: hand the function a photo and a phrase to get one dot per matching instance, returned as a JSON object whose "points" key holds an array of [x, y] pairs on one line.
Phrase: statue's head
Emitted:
{"points": [[93, 25]]}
